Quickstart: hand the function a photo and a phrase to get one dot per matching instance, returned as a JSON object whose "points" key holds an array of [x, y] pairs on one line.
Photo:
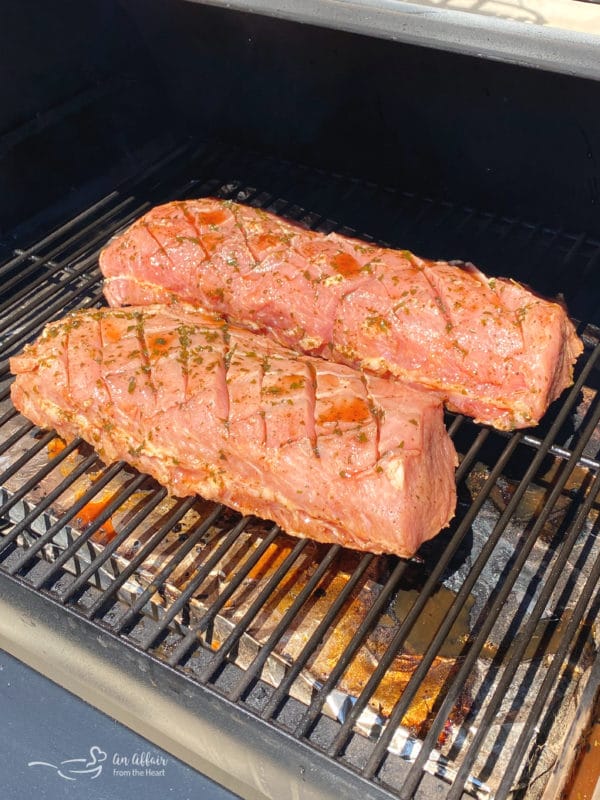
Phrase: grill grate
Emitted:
{"points": [[215, 600]]}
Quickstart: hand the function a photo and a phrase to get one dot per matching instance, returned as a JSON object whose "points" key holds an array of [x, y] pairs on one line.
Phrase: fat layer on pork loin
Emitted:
{"points": [[205, 407], [493, 349]]}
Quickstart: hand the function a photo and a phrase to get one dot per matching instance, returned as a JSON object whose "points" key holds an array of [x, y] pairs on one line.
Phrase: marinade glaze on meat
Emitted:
{"points": [[208, 408], [492, 349]]}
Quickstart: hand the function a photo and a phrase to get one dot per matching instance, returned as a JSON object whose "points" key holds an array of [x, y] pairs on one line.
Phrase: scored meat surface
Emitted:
{"points": [[205, 407], [492, 348]]}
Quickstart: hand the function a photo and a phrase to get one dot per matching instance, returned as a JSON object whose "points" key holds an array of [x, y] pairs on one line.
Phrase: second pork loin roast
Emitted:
{"points": [[492, 349], [209, 408]]}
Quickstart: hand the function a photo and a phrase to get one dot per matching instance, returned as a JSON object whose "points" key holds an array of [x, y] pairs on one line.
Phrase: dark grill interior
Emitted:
{"points": [[209, 601]]}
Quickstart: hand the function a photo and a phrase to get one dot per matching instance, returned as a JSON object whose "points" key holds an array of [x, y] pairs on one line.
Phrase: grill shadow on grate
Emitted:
{"points": [[340, 651]]}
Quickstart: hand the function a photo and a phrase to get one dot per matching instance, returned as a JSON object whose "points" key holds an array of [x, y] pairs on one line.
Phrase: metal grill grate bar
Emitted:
{"points": [[59, 489], [53, 311], [236, 634], [124, 493], [529, 628], [21, 256], [110, 549], [452, 693], [18, 434], [558, 661], [426, 592], [107, 475], [177, 607], [309, 648], [10, 414], [310, 715], [25, 458], [47, 502], [126, 622], [108, 597], [51, 267], [166, 161], [254, 669], [562, 452], [191, 641], [4, 393]]}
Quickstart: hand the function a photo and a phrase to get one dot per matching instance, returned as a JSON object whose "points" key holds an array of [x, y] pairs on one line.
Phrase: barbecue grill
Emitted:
{"points": [[276, 666]]}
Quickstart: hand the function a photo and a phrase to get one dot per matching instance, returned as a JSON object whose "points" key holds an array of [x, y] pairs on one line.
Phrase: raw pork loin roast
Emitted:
{"points": [[492, 349], [209, 408]]}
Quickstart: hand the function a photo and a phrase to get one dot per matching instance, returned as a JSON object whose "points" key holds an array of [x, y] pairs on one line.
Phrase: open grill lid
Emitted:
{"points": [[561, 37], [288, 647]]}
